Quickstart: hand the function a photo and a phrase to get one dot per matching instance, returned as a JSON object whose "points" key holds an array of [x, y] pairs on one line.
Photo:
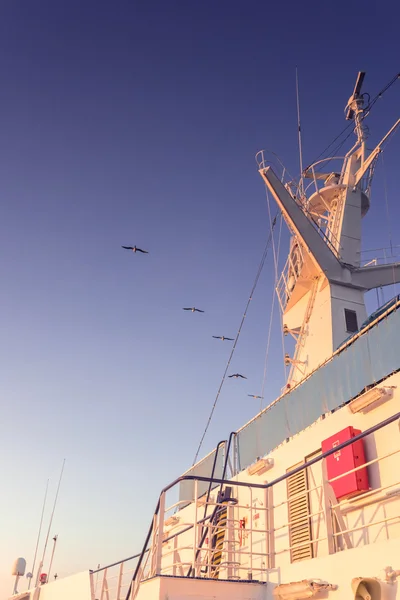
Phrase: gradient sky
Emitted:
{"points": [[137, 123]]}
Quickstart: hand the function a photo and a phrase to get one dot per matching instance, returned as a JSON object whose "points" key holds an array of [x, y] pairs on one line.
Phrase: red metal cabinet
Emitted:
{"points": [[344, 460]]}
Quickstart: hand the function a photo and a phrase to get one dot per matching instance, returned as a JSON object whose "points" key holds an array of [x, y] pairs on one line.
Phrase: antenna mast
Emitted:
{"points": [[38, 537], [299, 134], [52, 555], [355, 109], [51, 521]]}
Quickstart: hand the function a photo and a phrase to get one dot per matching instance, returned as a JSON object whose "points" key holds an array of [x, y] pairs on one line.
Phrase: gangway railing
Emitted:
{"points": [[244, 562]]}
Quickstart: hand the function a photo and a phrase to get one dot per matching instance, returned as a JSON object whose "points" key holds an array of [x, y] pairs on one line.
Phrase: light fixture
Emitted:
{"points": [[171, 521], [395, 492], [299, 590], [261, 466], [371, 396]]}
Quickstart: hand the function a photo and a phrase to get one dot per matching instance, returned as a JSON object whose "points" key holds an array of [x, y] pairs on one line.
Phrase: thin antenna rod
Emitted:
{"points": [[39, 533], [51, 521], [299, 133], [55, 538]]}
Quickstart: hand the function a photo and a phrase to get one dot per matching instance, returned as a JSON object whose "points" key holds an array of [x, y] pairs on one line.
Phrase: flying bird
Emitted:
{"points": [[134, 249], [223, 338], [194, 309], [236, 375], [254, 396]]}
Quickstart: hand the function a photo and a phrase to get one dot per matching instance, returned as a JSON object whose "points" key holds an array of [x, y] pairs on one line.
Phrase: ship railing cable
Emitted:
{"points": [[259, 271], [271, 318]]}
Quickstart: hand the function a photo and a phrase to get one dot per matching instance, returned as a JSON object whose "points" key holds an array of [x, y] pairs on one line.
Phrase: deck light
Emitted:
{"points": [[370, 397], [261, 466], [300, 590]]}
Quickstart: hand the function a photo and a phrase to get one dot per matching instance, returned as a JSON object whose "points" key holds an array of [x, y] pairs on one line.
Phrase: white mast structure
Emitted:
{"points": [[322, 287]]}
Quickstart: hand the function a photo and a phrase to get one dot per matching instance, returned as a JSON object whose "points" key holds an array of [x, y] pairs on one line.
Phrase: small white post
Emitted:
{"points": [[152, 550], [270, 527], [104, 585], [120, 574], [251, 530], [161, 514], [195, 528], [230, 538]]}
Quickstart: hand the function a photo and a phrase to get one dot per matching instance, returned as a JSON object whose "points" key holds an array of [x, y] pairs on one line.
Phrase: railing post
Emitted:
{"points": [[333, 511], [209, 549], [175, 556], [230, 538], [120, 574], [152, 549], [269, 503], [92, 586], [104, 587], [160, 533], [195, 527], [327, 511], [235, 456], [251, 531]]}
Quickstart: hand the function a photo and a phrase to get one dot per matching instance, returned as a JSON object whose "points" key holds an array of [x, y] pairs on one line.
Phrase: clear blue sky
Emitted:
{"points": [[137, 123]]}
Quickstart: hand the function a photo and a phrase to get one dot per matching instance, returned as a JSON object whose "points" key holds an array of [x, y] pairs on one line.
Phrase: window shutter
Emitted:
{"points": [[299, 517]]}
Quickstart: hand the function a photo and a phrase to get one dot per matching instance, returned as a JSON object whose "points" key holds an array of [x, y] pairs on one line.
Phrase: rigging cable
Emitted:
{"points": [[299, 134], [270, 320], [282, 334], [260, 268], [259, 452], [276, 282]]}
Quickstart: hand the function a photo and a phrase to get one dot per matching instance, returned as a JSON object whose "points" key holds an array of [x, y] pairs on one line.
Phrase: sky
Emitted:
{"points": [[128, 123]]}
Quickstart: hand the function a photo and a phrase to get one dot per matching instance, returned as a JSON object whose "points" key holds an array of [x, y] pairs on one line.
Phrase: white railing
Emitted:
{"points": [[241, 536], [380, 256], [290, 273]]}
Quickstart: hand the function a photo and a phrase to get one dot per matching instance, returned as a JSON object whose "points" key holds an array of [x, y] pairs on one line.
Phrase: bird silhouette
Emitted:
{"points": [[254, 396], [194, 309], [223, 338], [236, 375], [134, 249]]}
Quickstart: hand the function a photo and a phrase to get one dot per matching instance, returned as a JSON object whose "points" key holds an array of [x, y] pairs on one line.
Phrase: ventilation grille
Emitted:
{"points": [[299, 517]]}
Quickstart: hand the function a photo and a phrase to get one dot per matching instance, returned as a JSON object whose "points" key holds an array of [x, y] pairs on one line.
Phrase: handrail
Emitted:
{"points": [[318, 162], [213, 471], [204, 532], [144, 549], [114, 564], [263, 486], [141, 556]]}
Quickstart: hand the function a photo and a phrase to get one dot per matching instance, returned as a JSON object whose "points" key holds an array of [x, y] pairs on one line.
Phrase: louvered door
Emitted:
{"points": [[299, 516]]}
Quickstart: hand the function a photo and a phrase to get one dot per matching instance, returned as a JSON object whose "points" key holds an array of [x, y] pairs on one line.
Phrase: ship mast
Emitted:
{"points": [[321, 289]]}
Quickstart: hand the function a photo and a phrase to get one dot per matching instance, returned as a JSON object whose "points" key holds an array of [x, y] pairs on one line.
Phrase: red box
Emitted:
{"points": [[344, 460]]}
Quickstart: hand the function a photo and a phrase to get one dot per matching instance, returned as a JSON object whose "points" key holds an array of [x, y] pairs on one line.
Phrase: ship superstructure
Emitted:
{"points": [[304, 500]]}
